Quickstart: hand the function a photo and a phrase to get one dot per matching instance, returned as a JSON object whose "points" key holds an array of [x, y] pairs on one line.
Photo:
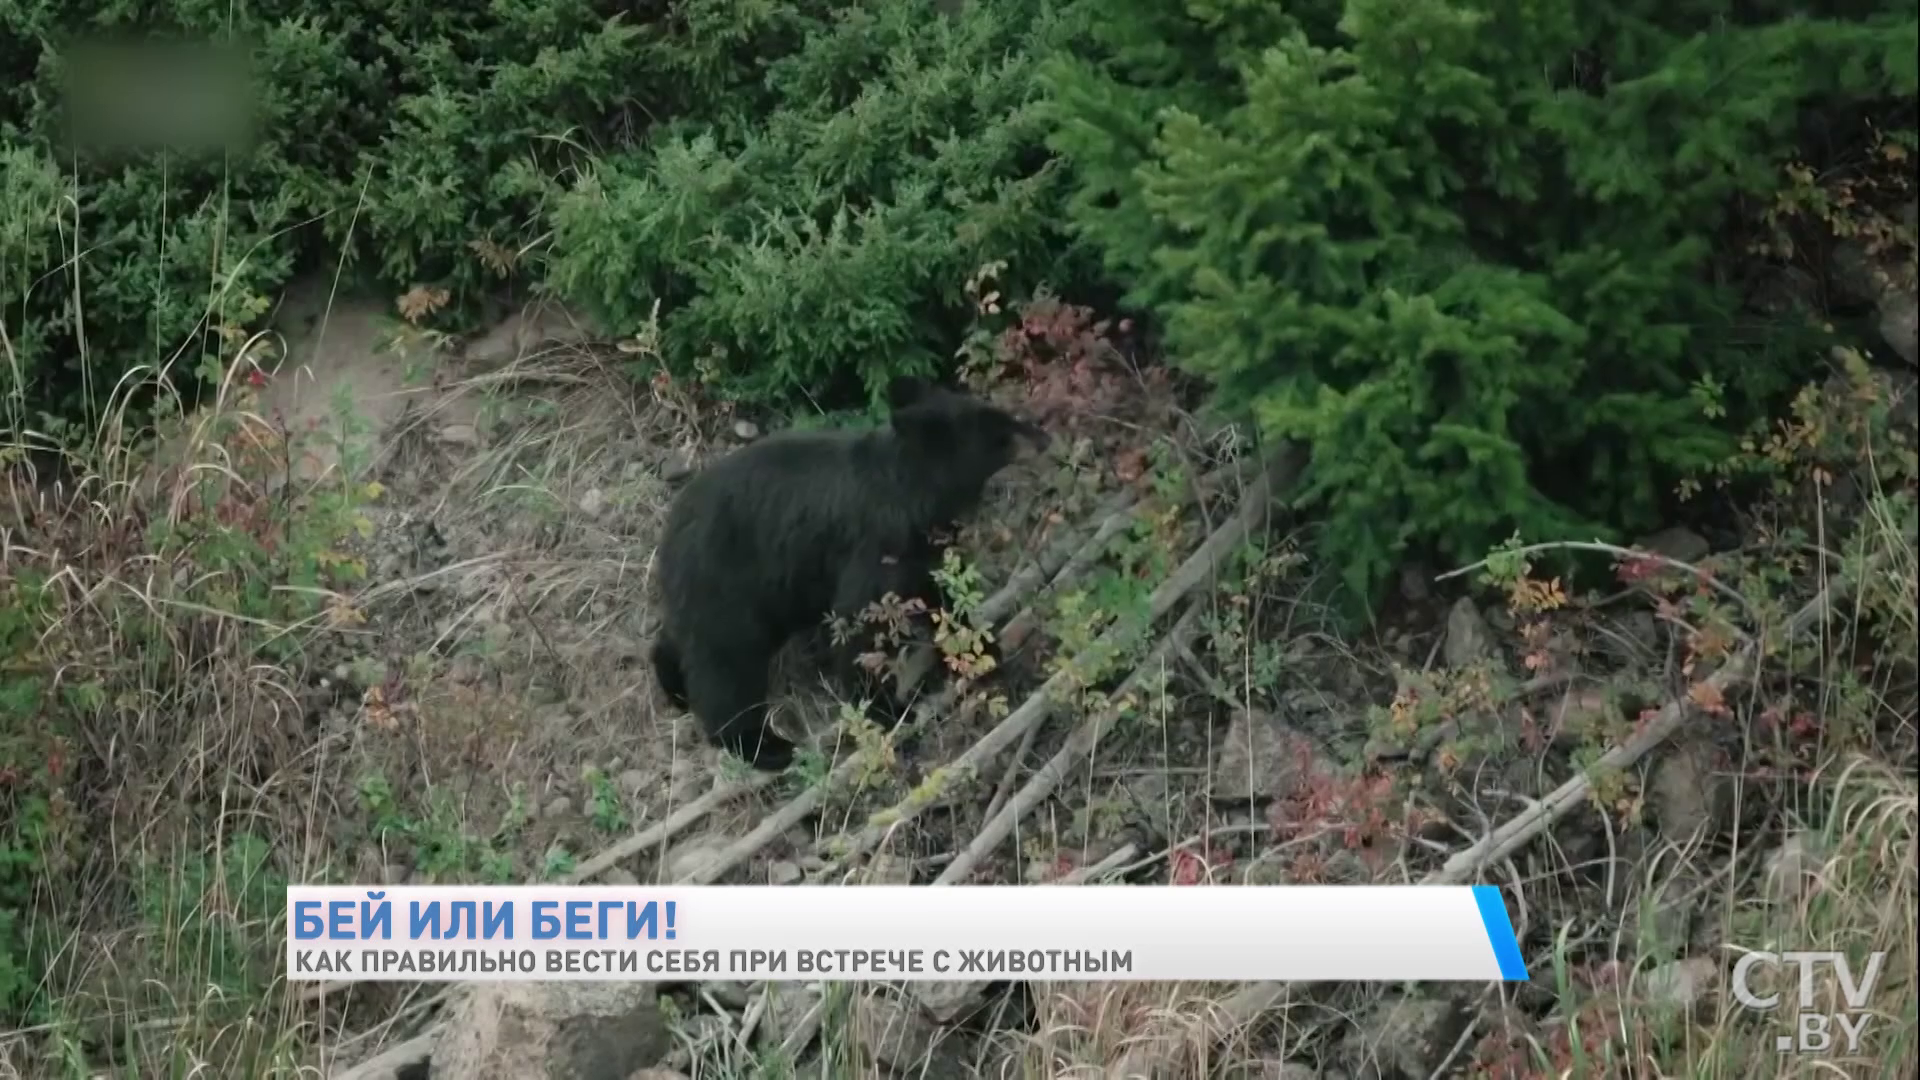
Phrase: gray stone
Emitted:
{"points": [[691, 856], [1794, 868], [1258, 758], [1678, 543], [1683, 984], [948, 1002], [889, 870], [893, 1031], [1468, 640], [677, 466], [788, 1006], [1689, 792], [562, 1030], [637, 781], [1408, 1038]]}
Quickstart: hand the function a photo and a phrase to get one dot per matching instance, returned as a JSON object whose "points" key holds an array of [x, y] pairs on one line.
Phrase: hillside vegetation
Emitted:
{"points": [[1465, 408]]}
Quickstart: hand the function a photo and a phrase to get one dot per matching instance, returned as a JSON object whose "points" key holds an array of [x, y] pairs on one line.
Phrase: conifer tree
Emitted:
{"points": [[1461, 248]]}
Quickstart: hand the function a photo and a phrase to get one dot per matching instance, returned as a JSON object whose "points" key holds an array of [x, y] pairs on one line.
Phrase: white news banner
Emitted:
{"points": [[899, 933]]}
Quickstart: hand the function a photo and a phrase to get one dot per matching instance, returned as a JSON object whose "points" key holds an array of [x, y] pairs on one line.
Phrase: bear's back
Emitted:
{"points": [[772, 524]]}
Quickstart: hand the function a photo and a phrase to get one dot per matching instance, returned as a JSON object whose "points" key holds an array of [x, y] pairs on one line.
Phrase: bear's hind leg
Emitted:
{"points": [[728, 693], [867, 581]]}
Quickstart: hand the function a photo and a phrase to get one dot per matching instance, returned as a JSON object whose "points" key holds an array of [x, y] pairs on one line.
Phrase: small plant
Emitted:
{"points": [[604, 805]]}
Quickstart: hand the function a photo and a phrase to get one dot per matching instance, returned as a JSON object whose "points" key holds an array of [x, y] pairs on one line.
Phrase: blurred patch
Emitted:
{"points": [[147, 95]]}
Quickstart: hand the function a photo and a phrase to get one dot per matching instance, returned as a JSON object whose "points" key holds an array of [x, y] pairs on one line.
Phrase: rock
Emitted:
{"points": [[1408, 1038], [948, 1002], [1258, 758], [658, 1074], [562, 1030], [558, 806], [637, 781], [746, 430], [1666, 919], [593, 502], [677, 467], [529, 330], [893, 1031], [458, 435], [787, 1009], [1900, 323], [1683, 984], [1794, 868], [618, 876], [1414, 588], [889, 870], [784, 873], [734, 995], [1266, 870], [1678, 543], [1148, 795], [466, 669], [1468, 640], [1585, 714], [1643, 630], [1689, 791], [690, 856]]}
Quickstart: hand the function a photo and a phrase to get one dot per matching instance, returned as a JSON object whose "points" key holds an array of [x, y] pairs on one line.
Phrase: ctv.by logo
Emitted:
{"points": [[1813, 1030]]}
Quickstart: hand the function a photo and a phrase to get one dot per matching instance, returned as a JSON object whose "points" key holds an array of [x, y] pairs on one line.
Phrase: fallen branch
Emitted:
{"points": [[1039, 705], [1079, 745], [669, 827], [990, 610], [957, 995], [1004, 788], [1053, 562], [1082, 559], [1255, 998], [640, 841], [396, 1060], [1048, 569]]}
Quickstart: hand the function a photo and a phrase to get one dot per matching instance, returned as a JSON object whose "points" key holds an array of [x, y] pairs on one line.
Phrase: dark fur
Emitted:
{"points": [[768, 541]]}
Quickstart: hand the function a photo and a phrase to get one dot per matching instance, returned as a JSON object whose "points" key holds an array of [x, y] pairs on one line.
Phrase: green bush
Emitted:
{"points": [[825, 245], [419, 142], [1463, 249]]}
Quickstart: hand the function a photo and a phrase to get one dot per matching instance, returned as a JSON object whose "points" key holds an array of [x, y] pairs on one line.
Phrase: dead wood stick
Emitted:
{"points": [[1005, 788], [1197, 568], [395, 1059], [1112, 525], [1006, 599], [1053, 561], [668, 828], [660, 833], [1045, 570], [1254, 998], [1078, 746]]}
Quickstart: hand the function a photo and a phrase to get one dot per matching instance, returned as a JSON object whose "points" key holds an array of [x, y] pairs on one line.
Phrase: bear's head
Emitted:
{"points": [[961, 438]]}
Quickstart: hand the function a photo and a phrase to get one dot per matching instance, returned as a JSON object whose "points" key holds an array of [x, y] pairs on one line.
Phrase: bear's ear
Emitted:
{"points": [[904, 390]]}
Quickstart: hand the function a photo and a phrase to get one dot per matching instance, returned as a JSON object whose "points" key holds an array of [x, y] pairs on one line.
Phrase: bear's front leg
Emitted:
{"points": [[866, 582]]}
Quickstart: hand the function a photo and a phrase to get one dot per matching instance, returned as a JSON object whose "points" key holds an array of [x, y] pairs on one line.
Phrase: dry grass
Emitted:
{"points": [[225, 737]]}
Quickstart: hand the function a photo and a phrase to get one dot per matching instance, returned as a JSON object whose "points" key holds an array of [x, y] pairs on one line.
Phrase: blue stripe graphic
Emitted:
{"points": [[1506, 950]]}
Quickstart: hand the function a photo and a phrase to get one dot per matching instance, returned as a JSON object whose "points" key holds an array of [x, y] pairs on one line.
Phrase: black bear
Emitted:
{"points": [[774, 538]]}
